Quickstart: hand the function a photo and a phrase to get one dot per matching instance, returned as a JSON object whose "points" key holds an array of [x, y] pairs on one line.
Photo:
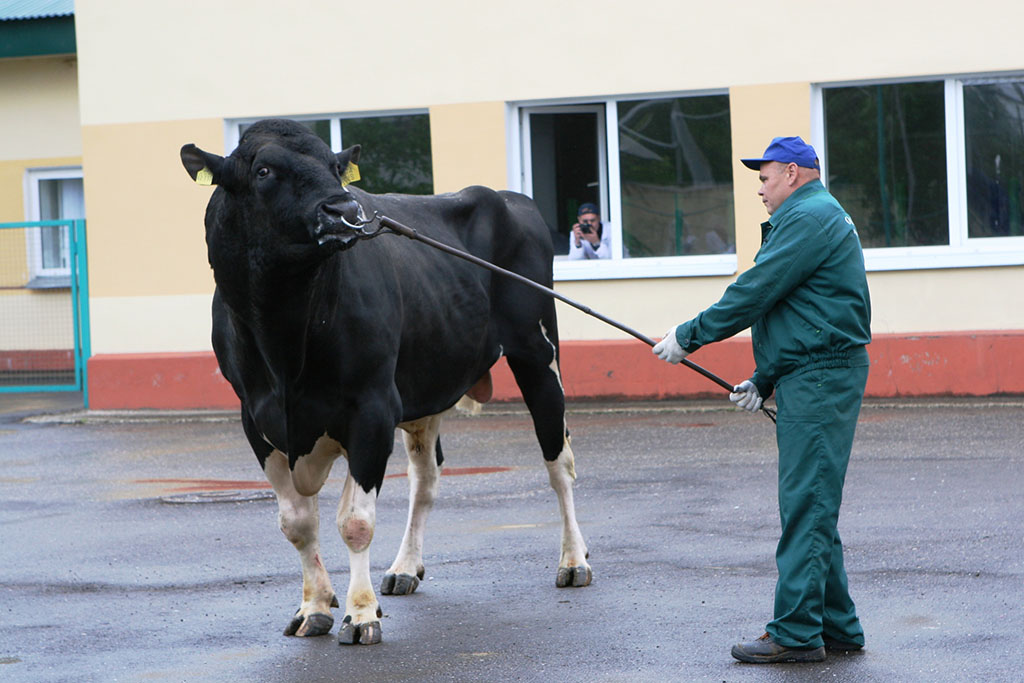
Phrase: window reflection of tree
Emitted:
{"points": [[676, 176]]}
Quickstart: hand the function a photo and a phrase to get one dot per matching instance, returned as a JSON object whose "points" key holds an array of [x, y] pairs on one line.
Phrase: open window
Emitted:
{"points": [[50, 195], [567, 165], [659, 168]]}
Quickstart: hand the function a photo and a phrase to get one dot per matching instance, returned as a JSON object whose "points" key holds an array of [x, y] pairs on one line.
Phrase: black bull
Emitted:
{"points": [[330, 348]]}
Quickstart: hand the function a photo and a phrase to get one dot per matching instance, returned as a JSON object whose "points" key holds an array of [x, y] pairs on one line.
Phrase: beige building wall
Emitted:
{"points": [[39, 113], [149, 277], [458, 129], [39, 128], [144, 93], [238, 58]]}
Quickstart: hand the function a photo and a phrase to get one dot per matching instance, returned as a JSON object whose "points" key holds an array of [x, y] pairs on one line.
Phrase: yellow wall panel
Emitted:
{"points": [[759, 113], [468, 146], [145, 215]]}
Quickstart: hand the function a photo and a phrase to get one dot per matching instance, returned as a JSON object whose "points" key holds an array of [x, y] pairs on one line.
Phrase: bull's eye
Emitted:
{"points": [[262, 172]]}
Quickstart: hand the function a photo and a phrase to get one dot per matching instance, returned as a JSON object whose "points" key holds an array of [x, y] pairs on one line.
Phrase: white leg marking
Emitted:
{"points": [[424, 474], [561, 474], [554, 360], [573, 568], [299, 519], [357, 515], [311, 470]]}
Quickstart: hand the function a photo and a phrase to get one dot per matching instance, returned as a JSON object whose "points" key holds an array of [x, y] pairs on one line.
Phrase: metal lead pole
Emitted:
{"points": [[412, 233]]}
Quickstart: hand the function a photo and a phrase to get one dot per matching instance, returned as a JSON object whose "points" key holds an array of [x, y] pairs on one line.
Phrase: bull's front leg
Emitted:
{"points": [[299, 519], [573, 568], [403, 577], [357, 514]]}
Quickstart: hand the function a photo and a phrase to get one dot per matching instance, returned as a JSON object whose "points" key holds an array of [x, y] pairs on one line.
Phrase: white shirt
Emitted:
{"points": [[587, 251]]}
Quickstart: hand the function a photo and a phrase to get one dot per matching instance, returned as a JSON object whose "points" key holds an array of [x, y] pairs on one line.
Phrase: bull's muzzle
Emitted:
{"points": [[339, 221]]}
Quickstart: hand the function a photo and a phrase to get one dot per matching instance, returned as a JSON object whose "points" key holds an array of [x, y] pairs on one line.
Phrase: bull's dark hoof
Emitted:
{"points": [[577, 577], [399, 584], [312, 625], [359, 634]]}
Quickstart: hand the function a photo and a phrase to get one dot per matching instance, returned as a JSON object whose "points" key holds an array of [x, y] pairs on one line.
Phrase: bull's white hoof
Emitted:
{"points": [[359, 634], [576, 577]]}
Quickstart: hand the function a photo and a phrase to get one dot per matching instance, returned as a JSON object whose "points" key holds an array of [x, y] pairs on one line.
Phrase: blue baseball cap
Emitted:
{"points": [[587, 207], [786, 150]]}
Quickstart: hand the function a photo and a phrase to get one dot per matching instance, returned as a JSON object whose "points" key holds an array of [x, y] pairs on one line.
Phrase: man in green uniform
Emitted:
{"points": [[806, 302]]}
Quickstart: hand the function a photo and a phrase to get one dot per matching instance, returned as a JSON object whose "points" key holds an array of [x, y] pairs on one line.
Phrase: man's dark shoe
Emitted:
{"points": [[834, 645], [764, 650]]}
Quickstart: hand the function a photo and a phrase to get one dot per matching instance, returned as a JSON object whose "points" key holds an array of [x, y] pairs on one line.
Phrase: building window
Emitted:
{"points": [[51, 195], [395, 154], [886, 153], [994, 146], [660, 169], [931, 171], [675, 165]]}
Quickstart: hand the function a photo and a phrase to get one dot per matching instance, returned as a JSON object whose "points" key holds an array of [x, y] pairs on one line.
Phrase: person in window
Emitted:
{"points": [[589, 239], [806, 301]]}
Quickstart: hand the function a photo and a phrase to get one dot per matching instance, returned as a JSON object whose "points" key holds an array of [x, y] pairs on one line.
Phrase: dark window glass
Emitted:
{"points": [[567, 169], [886, 152], [675, 160], [395, 155], [994, 132]]}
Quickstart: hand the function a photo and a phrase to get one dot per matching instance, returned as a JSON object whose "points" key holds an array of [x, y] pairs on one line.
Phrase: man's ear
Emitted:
{"points": [[205, 168], [347, 159]]}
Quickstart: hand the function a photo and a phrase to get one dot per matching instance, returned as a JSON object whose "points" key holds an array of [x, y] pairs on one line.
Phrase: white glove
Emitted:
{"points": [[668, 349], [746, 396]]}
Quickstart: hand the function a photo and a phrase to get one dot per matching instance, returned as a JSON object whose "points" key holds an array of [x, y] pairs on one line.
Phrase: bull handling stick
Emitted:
{"points": [[413, 234]]}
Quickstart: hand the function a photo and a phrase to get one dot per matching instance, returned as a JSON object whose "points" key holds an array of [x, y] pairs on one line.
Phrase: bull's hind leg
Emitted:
{"points": [[299, 518], [541, 386], [424, 451]]}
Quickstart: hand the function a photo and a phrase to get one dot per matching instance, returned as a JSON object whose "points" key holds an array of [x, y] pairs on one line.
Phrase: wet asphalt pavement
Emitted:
{"points": [[145, 547]]}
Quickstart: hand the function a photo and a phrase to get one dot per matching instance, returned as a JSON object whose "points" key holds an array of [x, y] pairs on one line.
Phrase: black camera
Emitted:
{"points": [[585, 227]]}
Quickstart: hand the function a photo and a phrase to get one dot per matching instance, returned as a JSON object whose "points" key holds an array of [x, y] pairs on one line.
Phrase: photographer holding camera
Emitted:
{"points": [[589, 239]]}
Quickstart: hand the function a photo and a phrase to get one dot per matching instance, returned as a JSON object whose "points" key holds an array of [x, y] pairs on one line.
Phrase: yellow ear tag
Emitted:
{"points": [[350, 175], [204, 176]]}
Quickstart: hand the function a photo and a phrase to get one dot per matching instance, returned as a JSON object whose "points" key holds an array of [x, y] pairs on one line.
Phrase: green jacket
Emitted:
{"points": [[806, 298]]}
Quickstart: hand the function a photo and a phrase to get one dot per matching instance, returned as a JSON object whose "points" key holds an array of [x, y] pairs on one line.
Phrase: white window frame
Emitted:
{"points": [[34, 243], [962, 251], [616, 267]]}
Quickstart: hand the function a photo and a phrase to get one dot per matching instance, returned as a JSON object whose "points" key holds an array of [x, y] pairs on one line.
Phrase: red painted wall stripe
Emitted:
{"points": [[41, 359], [941, 364]]}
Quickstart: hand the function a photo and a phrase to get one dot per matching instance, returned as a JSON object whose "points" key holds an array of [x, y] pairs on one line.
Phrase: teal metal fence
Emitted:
{"points": [[44, 307]]}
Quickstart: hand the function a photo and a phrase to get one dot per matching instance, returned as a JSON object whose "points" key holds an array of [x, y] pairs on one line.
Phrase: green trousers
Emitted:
{"points": [[817, 416]]}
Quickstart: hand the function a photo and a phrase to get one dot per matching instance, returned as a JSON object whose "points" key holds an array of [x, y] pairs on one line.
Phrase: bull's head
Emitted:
{"points": [[283, 184]]}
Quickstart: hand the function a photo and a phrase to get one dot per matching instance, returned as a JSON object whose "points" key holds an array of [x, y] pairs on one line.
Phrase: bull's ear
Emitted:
{"points": [[347, 159], [205, 168]]}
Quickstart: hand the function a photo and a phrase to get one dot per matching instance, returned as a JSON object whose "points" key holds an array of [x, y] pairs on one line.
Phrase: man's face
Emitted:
{"points": [[775, 185], [592, 218]]}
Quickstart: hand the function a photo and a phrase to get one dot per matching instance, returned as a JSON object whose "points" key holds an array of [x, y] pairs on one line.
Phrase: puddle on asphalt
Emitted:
{"points": [[217, 497]]}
